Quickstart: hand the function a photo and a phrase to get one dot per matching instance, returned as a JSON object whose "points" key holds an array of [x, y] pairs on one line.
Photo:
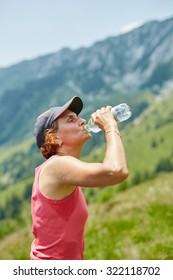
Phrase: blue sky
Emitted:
{"points": [[30, 28]]}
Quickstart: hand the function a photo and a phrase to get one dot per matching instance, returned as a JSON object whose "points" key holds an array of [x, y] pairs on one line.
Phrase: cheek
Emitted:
{"points": [[67, 135]]}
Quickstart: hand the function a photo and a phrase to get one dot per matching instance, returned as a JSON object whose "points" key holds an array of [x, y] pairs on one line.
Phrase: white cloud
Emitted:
{"points": [[131, 26]]}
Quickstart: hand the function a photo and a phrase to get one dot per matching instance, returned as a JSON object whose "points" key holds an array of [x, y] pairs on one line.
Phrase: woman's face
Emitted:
{"points": [[71, 129]]}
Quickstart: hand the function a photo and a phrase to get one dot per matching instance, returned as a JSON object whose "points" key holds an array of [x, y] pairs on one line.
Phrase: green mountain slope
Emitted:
{"points": [[148, 141], [134, 224], [134, 216], [108, 72]]}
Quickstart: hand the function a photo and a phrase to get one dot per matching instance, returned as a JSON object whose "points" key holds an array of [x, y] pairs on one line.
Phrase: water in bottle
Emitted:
{"points": [[120, 112]]}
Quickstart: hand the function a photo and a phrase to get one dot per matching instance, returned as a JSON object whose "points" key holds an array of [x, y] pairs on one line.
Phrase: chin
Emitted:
{"points": [[89, 136]]}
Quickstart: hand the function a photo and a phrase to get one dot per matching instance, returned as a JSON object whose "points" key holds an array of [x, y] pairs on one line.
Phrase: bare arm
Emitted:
{"points": [[114, 159], [70, 171]]}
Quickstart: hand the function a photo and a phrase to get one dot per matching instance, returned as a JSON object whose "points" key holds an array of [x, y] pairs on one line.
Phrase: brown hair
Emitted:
{"points": [[50, 145]]}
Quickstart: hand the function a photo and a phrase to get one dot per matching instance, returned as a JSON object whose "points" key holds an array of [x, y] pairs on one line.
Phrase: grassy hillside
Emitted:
{"points": [[134, 224], [134, 216], [148, 141]]}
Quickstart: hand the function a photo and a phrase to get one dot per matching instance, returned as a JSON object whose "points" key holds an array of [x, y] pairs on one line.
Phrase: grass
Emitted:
{"points": [[135, 224], [129, 225], [147, 141]]}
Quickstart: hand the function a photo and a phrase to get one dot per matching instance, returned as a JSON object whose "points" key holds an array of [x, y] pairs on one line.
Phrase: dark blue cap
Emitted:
{"points": [[46, 119]]}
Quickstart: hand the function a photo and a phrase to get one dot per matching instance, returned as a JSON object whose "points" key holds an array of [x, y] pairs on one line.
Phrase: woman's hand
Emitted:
{"points": [[104, 119]]}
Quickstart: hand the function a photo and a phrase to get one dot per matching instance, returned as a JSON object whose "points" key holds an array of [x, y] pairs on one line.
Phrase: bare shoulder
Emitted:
{"points": [[51, 182], [59, 168], [58, 163]]}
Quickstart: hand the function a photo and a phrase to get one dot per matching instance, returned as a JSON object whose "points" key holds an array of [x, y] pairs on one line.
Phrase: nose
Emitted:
{"points": [[82, 121]]}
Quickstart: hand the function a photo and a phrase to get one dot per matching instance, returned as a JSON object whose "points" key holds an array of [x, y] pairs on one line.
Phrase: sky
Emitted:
{"points": [[32, 28]]}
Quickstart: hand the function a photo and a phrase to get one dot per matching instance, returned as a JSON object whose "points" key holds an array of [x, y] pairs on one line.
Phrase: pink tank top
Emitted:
{"points": [[57, 225]]}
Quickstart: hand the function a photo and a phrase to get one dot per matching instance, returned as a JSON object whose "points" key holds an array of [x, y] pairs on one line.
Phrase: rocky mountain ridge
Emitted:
{"points": [[127, 62], [108, 72]]}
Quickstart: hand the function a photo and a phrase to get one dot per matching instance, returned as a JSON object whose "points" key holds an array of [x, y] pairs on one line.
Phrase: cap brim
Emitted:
{"points": [[75, 105], [45, 120]]}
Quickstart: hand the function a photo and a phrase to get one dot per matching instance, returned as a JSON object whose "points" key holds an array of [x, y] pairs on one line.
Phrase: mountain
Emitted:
{"points": [[108, 71], [135, 68], [31, 87], [132, 59]]}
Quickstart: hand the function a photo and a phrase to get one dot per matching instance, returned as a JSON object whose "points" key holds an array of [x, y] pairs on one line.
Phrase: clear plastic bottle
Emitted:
{"points": [[120, 112]]}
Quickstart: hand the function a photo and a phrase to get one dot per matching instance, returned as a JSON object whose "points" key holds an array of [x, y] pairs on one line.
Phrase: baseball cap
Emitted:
{"points": [[46, 119]]}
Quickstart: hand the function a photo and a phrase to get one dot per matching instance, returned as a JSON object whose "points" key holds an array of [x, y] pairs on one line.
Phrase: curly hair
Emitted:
{"points": [[50, 145]]}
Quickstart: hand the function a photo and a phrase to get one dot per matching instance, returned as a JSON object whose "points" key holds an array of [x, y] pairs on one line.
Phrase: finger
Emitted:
{"points": [[108, 108], [94, 115], [103, 110]]}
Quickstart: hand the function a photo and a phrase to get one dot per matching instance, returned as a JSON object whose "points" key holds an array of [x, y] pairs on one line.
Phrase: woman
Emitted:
{"points": [[59, 210]]}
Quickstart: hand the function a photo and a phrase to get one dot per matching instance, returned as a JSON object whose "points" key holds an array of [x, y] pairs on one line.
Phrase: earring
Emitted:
{"points": [[60, 143]]}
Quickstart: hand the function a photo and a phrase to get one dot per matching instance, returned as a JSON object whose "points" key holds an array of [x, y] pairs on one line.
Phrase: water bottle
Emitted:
{"points": [[120, 112]]}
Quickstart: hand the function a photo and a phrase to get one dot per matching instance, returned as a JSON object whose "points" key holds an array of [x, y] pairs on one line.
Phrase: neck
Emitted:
{"points": [[69, 151]]}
